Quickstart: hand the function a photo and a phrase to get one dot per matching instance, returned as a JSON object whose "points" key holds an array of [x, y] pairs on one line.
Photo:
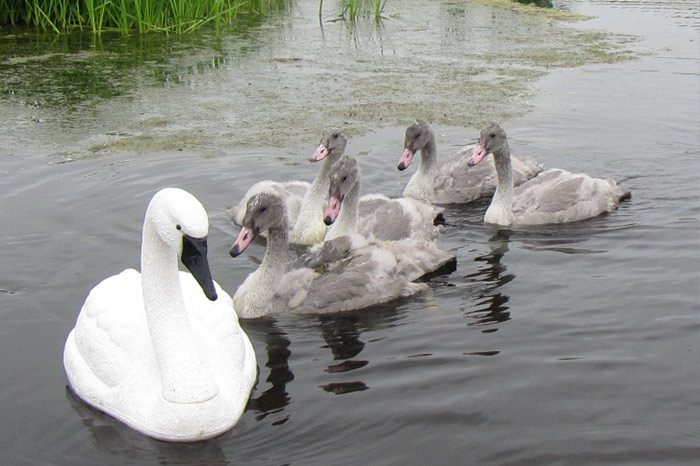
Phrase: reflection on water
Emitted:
{"points": [[275, 398], [342, 336], [491, 303], [275, 81], [116, 438], [567, 363]]}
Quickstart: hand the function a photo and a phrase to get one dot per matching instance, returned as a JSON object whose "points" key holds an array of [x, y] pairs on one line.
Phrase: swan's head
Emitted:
{"points": [[417, 136], [264, 211], [344, 176], [493, 140], [332, 145], [181, 222]]}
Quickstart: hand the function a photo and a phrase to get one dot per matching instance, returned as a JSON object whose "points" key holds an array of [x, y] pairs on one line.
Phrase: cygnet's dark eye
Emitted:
{"points": [[262, 210], [345, 178], [178, 227], [493, 135], [335, 135]]}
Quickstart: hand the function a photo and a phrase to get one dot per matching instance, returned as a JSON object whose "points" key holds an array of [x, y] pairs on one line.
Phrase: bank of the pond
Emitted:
{"points": [[274, 82], [142, 16]]}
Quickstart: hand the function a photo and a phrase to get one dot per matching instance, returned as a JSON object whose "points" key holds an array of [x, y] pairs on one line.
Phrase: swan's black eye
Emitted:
{"points": [[335, 135], [493, 135], [263, 210], [178, 227], [345, 178]]}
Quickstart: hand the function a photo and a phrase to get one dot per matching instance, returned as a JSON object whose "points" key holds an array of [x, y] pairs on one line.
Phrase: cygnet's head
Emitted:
{"points": [[344, 176], [417, 136], [493, 140], [332, 145], [264, 211]]}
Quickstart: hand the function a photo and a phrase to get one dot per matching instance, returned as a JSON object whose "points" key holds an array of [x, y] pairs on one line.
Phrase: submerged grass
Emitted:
{"points": [[126, 16]]}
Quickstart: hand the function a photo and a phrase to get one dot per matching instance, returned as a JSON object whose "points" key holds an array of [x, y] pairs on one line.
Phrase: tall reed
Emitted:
{"points": [[351, 10], [127, 16]]}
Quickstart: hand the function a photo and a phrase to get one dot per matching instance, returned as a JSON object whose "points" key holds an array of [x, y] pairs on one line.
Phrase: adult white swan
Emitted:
{"points": [[368, 276], [303, 201], [554, 196], [404, 226], [151, 349], [448, 181]]}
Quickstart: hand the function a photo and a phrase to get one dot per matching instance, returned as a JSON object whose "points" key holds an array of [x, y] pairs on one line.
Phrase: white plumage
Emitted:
{"points": [[150, 349]]}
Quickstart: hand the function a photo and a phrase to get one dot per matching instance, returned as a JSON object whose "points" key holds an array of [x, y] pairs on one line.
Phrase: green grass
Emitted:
{"points": [[351, 10], [128, 16]]}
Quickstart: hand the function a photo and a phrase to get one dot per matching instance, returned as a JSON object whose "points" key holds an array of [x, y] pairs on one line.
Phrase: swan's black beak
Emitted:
{"points": [[194, 256]]}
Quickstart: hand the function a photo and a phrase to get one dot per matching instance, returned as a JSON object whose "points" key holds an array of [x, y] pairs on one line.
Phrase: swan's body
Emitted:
{"points": [[368, 276], [450, 181], [554, 196], [304, 201], [404, 226], [151, 349]]}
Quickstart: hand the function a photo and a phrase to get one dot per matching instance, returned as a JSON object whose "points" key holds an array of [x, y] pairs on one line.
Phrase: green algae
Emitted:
{"points": [[460, 63]]}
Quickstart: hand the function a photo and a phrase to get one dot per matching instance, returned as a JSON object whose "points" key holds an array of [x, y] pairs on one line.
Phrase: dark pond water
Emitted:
{"points": [[576, 344]]}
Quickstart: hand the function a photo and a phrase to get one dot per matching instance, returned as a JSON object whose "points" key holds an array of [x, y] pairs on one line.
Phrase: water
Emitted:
{"points": [[564, 344]]}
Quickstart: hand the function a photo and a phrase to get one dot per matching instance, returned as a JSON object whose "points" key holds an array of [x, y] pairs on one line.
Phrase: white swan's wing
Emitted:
{"points": [[110, 333], [384, 219], [292, 192], [456, 182], [224, 344], [558, 196]]}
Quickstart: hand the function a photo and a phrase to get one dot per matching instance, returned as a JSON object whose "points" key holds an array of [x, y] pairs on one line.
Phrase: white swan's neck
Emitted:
{"points": [[420, 186], [185, 376], [347, 220], [309, 225], [500, 211]]}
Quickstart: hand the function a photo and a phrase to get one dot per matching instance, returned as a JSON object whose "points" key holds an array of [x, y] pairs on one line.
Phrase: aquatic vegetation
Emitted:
{"points": [[283, 77], [540, 3], [533, 7], [178, 16], [351, 10]]}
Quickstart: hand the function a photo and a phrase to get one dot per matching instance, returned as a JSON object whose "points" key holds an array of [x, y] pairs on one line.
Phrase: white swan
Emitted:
{"points": [[554, 196], [151, 349], [404, 226], [448, 181], [368, 276], [304, 201]]}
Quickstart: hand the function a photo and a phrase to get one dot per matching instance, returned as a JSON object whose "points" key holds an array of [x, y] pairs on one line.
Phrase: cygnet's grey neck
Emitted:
{"points": [[320, 184], [500, 209], [275, 259], [346, 224], [428, 160]]}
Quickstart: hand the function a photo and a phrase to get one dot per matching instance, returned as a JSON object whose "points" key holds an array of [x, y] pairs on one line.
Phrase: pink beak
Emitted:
{"points": [[320, 154], [332, 209], [406, 158], [478, 154], [245, 237]]}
